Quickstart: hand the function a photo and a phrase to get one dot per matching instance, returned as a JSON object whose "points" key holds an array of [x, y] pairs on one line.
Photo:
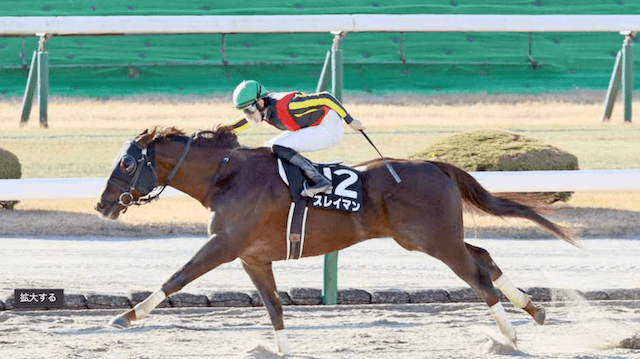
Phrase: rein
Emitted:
{"points": [[144, 200], [219, 171]]}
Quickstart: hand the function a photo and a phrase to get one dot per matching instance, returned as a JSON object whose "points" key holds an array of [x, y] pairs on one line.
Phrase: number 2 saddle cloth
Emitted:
{"points": [[346, 196]]}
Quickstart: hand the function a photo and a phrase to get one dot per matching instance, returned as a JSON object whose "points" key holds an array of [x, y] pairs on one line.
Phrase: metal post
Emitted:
{"points": [[223, 49], [43, 81], [336, 66], [38, 78], [627, 74], [622, 72], [612, 91], [27, 100], [330, 287], [401, 49], [325, 75]]}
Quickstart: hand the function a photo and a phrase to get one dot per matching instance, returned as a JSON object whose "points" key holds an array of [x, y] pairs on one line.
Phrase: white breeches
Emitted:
{"points": [[327, 134]]}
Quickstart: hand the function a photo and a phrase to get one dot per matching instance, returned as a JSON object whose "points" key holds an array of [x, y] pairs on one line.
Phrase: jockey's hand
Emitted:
{"points": [[356, 125]]}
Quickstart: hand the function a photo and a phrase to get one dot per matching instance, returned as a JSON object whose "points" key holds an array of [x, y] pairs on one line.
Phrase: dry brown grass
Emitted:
{"points": [[84, 114], [90, 132]]}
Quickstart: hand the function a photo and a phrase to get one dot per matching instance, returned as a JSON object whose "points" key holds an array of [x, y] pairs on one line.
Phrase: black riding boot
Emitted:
{"points": [[320, 182]]}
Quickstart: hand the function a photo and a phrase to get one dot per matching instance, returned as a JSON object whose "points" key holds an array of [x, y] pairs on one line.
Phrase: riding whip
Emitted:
{"points": [[391, 170]]}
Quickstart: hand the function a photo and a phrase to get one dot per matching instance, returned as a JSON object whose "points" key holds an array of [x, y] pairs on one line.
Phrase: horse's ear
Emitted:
{"points": [[146, 137]]}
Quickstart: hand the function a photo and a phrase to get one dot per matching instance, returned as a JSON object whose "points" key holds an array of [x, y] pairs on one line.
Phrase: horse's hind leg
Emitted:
{"points": [[451, 250], [500, 281], [262, 278], [214, 253], [458, 258]]}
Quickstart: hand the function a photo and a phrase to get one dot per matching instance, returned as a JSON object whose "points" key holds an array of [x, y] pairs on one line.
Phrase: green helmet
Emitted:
{"points": [[247, 93]]}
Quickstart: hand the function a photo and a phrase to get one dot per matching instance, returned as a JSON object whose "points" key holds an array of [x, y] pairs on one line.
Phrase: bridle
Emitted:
{"points": [[135, 171]]}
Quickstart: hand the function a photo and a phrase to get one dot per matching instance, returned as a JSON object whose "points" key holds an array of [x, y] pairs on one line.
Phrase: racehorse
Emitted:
{"points": [[249, 205]]}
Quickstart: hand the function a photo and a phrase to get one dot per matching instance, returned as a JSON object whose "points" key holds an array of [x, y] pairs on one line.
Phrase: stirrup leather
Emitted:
{"points": [[312, 191]]}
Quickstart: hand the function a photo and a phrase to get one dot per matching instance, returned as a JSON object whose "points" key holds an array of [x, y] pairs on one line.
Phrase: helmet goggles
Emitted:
{"points": [[250, 109]]}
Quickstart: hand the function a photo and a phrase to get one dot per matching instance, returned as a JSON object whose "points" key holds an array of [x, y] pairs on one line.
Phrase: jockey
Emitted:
{"points": [[312, 122]]}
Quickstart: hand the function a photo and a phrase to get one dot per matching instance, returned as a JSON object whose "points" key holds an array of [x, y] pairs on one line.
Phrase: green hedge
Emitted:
{"points": [[9, 169], [497, 150], [9, 165]]}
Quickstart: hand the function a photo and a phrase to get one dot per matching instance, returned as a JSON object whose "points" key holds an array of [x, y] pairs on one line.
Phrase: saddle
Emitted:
{"points": [[346, 196]]}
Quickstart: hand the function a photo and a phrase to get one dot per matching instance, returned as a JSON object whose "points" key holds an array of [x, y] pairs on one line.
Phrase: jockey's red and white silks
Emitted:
{"points": [[316, 138]]}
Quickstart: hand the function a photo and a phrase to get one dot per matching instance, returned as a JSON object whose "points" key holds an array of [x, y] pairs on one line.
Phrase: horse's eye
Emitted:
{"points": [[128, 165]]}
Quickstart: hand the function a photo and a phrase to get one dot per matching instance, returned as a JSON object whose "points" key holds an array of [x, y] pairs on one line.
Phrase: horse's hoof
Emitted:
{"points": [[536, 311], [540, 315], [120, 322]]}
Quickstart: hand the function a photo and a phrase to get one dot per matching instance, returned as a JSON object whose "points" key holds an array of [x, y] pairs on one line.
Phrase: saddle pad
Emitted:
{"points": [[347, 186], [346, 196]]}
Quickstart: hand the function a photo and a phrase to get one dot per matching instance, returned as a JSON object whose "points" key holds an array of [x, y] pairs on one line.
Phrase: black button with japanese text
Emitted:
{"points": [[38, 298]]}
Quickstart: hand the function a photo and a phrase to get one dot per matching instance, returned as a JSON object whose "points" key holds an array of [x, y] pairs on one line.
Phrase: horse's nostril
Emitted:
{"points": [[99, 206]]}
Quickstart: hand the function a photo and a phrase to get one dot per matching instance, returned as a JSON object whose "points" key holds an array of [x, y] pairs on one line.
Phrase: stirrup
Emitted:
{"points": [[312, 191]]}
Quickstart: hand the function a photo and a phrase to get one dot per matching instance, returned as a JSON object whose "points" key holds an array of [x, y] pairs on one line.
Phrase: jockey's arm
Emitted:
{"points": [[327, 99], [333, 103]]}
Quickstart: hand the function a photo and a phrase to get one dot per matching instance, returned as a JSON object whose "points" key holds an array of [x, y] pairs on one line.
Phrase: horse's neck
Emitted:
{"points": [[193, 175]]}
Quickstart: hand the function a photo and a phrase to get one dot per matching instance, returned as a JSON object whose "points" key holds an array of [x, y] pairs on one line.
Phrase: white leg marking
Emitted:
{"points": [[282, 343], [146, 306], [515, 295], [500, 316]]}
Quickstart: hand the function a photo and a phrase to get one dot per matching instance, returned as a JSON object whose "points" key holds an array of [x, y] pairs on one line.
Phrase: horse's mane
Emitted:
{"points": [[218, 137]]}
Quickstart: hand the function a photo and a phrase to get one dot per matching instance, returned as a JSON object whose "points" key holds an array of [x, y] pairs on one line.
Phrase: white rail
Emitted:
{"points": [[525, 181], [143, 25]]}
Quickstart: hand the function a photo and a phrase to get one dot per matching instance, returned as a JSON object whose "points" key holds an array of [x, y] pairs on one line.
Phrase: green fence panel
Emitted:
{"points": [[376, 63]]}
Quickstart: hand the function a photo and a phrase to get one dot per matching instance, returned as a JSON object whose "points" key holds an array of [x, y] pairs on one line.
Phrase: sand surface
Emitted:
{"points": [[574, 329]]}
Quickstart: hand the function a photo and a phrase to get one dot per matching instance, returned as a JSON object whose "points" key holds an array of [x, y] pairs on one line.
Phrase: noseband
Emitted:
{"points": [[133, 175]]}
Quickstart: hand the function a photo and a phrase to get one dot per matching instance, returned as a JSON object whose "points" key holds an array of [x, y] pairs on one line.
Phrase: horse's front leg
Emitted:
{"points": [[218, 250], [262, 278]]}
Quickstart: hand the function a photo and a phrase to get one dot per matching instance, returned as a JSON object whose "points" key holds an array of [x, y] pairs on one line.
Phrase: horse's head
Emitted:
{"points": [[151, 158], [133, 176]]}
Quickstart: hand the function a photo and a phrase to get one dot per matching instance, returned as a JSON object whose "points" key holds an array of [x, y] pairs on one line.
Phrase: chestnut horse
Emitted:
{"points": [[249, 204]]}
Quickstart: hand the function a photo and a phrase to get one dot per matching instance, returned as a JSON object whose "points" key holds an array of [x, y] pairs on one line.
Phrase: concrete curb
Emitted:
{"points": [[312, 296]]}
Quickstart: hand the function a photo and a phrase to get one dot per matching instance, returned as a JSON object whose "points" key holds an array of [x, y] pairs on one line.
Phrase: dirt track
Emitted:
{"points": [[574, 330]]}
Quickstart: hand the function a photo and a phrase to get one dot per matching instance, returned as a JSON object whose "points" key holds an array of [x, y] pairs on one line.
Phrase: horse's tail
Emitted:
{"points": [[506, 205]]}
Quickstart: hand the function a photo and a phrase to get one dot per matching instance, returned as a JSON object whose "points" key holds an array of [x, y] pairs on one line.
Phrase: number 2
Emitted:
{"points": [[341, 189]]}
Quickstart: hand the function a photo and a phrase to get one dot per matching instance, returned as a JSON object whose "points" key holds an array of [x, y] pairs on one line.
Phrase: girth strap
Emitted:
{"points": [[295, 228]]}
